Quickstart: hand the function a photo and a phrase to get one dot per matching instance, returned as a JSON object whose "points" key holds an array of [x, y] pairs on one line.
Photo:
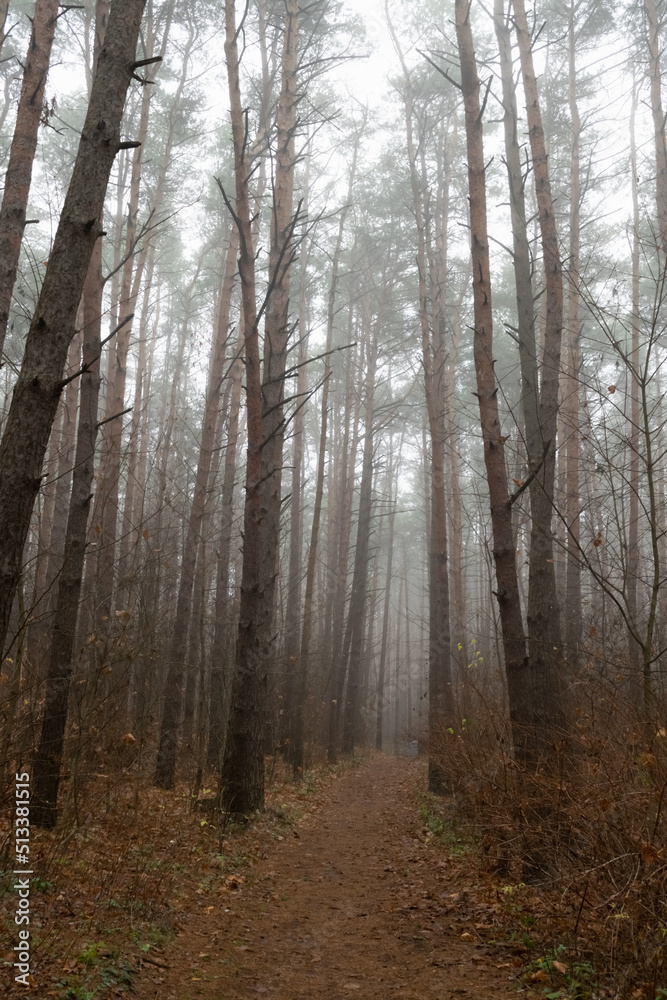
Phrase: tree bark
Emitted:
{"points": [[46, 768], [359, 596], [220, 646], [38, 388], [434, 353], [544, 634], [22, 152], [242, 770], [634, 650], [573, 617], [514, 644], [111, 455], [166, 759], [298, 734], [655, 77], [242, 775], [382, 666]]}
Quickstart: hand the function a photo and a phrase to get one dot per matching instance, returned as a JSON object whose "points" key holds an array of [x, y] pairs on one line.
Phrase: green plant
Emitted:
{"points": [[76, 993], [578, 978], [91, 953]]}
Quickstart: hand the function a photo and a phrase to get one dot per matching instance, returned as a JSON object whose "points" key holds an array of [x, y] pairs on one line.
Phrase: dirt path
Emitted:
{"points": [[353, 903]]}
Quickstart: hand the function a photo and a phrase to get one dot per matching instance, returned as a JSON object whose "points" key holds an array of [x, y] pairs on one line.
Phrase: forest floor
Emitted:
{"points": [[352, 883], [356, 901]]}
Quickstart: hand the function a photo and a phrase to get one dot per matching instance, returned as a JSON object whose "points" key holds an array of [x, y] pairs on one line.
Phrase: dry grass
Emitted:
{"points": [[596, 812]]}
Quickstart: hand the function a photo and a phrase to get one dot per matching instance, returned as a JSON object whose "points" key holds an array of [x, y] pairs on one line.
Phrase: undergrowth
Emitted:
{"points": [[586, 830]]}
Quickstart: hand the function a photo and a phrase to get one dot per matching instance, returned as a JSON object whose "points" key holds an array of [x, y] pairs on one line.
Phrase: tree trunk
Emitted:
{"points": [[298, 734], [4, 8], [220, 647], [242, 770], [242, 774], [340, 647], [65, 466], [544, 638], [655, 77], [573, 618], [37, 390], [166, 759], [295, 570], [382, 667], [111, 454], [358, 596], [22, 152], [434, 353], [634, 650], [514, 645], [46, 768]]}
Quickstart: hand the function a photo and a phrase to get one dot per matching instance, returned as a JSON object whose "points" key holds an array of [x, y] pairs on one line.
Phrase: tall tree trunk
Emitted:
{"points": [[166, 759], [340, 645], [434, 360], [242, 770], [573, 616], [295, 570], [4, 8], [514, 644], [544, 637], [110, 458], [457, 573], [39, 384], [382, 667], [65, 466], [298, 734], [242, 773], [359, 595], [22, 152], [634, 650], [46, 768], [220, 647], [655, 77]]}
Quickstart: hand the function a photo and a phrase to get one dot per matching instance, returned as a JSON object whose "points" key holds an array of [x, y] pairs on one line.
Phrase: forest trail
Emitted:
{"points": [[352, 903]]}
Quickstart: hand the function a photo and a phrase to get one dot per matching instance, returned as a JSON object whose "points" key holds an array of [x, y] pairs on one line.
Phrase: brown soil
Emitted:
{"points": [[357, 900]]}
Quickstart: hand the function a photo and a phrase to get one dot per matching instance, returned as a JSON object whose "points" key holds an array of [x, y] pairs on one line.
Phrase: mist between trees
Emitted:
{"points": [[329, 424]]}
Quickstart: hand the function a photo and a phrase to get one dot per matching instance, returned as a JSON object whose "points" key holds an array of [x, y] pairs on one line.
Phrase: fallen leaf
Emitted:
{"points": [[649, 854], [539, 977], [560, 967], [467, 937]]}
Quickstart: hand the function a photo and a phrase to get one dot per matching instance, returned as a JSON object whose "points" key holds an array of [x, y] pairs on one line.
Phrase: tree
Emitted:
{"points": [[24, 144], [38, 387]]}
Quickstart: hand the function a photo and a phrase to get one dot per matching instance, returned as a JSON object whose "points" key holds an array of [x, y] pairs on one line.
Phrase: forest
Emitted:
{"points": [[333, 498]]}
